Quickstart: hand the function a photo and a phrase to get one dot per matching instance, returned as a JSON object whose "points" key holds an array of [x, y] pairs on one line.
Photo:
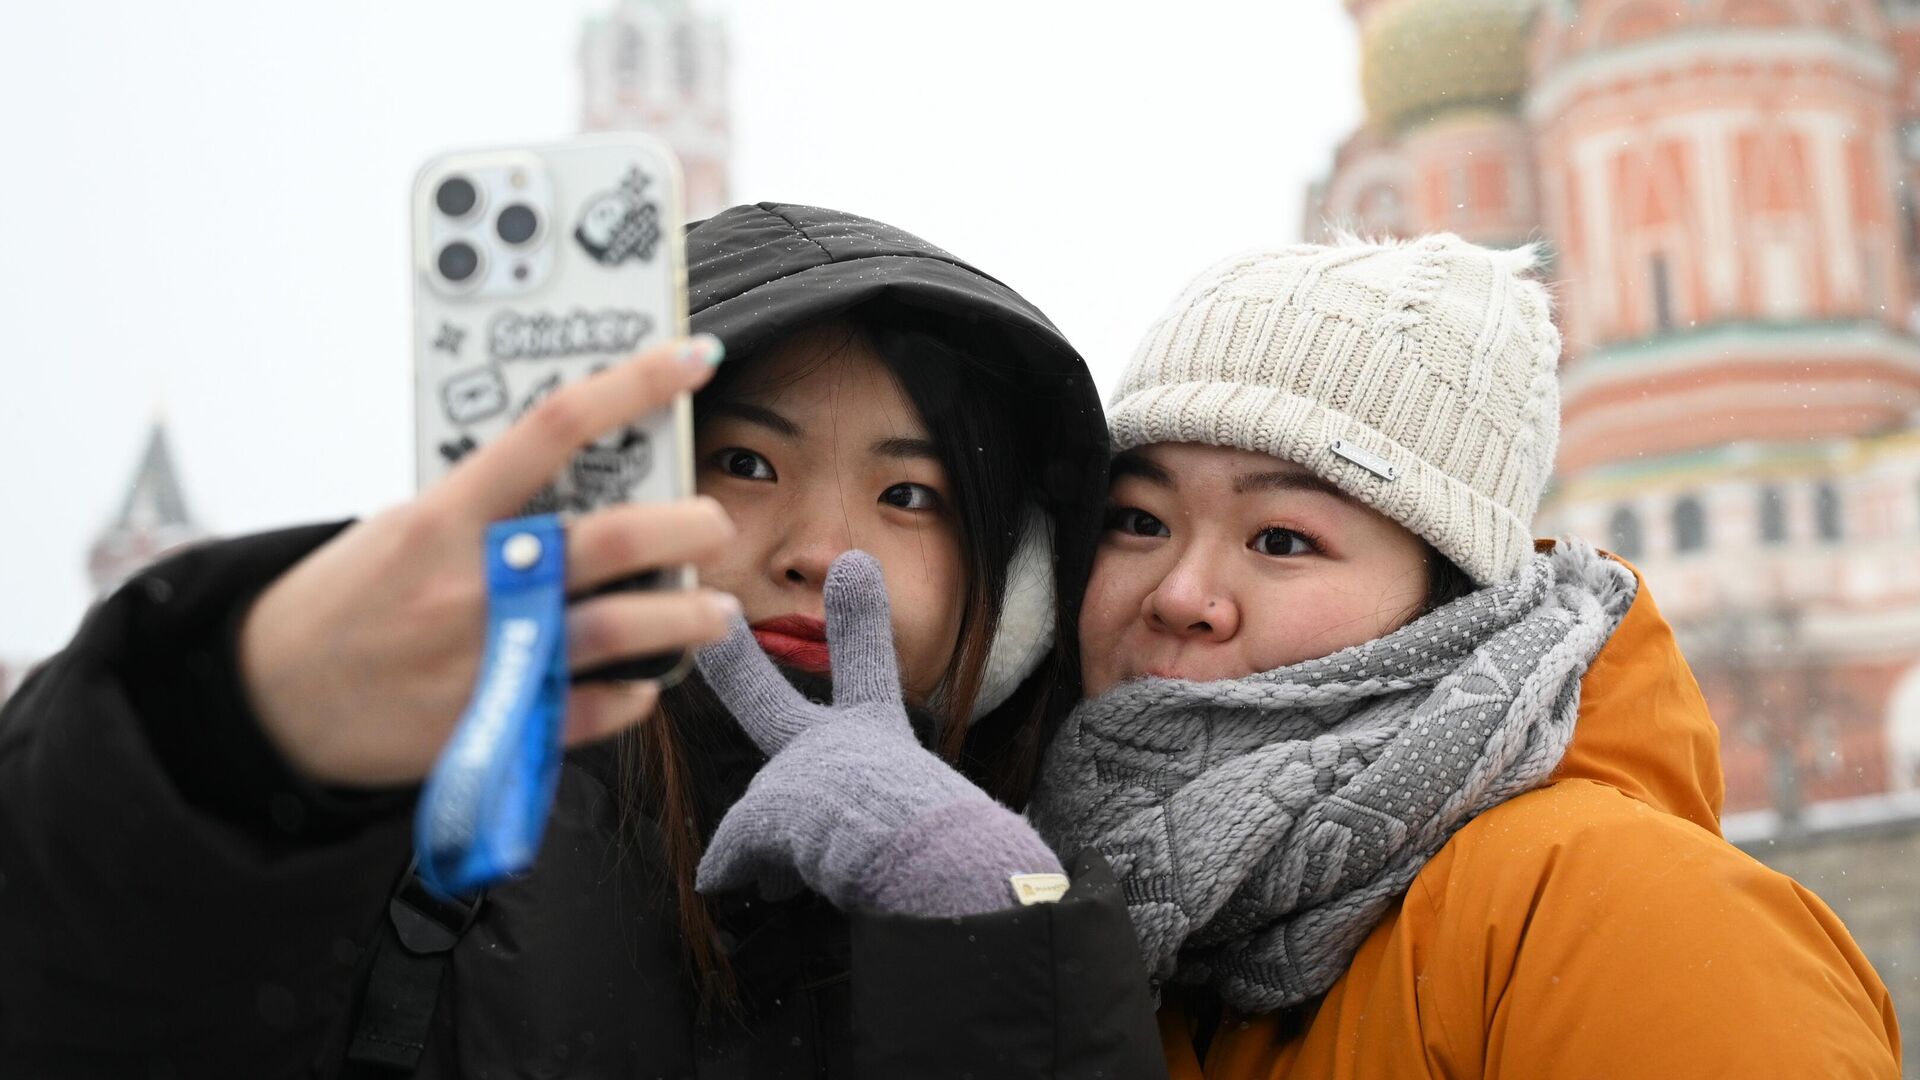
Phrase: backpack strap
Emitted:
{"points": [[411, 952]]}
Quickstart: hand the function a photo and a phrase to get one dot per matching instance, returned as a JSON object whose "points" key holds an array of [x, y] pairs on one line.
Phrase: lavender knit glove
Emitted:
{"points": [[851, 803]]}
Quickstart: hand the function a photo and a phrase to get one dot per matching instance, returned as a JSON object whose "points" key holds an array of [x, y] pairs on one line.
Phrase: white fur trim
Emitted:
{"points": [[1026, 616]]}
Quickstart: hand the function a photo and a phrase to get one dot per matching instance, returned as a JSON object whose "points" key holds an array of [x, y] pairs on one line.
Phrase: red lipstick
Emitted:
{"points": [[796, 641]]}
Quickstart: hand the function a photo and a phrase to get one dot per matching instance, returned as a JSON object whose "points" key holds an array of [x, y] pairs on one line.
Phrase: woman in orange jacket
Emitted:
{"points": [[1391, 790]]}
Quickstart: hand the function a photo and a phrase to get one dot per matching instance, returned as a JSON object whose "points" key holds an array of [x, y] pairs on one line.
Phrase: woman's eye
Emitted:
{"points": [[1282, 542], [745, 464], [911, 497], [1133, 521]]}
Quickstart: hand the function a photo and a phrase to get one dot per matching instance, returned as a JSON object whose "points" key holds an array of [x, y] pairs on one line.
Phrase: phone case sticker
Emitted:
{"points": [[545, 336], [455, 449], [449, 339], [472, 396], [604, 471], [611, 466], [621, 224], [535, 395]]}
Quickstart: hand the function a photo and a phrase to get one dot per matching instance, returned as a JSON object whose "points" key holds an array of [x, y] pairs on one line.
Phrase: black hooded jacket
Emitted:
{"points": [[174, 902]]}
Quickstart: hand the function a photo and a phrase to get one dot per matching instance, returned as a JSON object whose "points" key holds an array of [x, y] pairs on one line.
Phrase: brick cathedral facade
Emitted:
{"points": [[1725, 194]]}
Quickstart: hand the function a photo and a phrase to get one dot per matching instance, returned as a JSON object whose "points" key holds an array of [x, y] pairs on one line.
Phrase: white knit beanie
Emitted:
{"points": [[1420, 377]]}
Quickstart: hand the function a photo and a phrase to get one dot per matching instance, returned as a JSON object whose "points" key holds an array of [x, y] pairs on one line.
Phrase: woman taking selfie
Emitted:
{"points": [[207, 796], [1390, 789]]}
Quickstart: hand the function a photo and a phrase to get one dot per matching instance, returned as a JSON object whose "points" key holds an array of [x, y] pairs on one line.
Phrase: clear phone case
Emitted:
{"points": [[534, 266]]}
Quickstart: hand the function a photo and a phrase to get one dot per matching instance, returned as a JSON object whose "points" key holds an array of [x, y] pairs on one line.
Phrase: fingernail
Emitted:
{"points": [[726, 605], [702, 351]]}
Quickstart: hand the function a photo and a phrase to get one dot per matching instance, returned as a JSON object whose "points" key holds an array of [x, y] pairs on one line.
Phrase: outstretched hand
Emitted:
{"points": [[359, 660]]}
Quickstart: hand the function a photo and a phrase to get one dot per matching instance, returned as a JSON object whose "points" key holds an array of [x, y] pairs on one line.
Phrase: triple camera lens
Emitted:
{"points": [[458, 197]]}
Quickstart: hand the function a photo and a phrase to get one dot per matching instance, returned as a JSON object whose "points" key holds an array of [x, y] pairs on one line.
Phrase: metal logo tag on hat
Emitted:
{"points": [[1366, 459]]}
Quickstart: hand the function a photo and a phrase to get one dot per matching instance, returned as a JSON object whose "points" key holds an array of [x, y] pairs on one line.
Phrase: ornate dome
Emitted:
{"points": [[1420, 58]]}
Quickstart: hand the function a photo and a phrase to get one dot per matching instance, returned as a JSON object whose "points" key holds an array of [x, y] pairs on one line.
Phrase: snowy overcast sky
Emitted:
{"points": [[203, 206]]}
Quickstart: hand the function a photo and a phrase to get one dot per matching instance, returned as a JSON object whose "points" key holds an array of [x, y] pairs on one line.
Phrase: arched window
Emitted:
{"points": [[1903, 732], [1379, 208], [1689, 524], [1826, 512], [686, 60], [1773, 516], [1662, 280], [1623, 533], [1909, 213], [630, 54]]}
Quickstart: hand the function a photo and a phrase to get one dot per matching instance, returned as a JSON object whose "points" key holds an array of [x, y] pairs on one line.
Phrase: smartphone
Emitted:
{"points": [[534, 266]]}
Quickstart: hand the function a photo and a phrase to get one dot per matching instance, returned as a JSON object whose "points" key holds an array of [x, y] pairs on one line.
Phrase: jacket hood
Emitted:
{"points": [[1644, 727], [758, 273]]}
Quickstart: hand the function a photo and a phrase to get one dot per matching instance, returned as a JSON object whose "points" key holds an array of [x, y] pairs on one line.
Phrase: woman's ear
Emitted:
{"points": [[1026, 625]]}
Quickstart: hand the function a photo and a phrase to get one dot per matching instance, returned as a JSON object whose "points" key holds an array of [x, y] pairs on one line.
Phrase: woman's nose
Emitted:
{"points": [[808, 550], [1191, 602]]}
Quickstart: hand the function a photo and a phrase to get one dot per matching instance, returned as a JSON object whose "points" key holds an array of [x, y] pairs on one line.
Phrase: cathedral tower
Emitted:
{"points": [[153, 520], [660, 66]]}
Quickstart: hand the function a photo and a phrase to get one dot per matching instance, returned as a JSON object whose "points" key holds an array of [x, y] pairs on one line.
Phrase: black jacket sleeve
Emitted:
{"points": [[1051, 990], [174, 901]]}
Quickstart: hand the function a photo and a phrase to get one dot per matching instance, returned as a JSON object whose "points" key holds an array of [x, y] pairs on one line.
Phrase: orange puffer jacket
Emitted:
{"points": [[1596, 927]]}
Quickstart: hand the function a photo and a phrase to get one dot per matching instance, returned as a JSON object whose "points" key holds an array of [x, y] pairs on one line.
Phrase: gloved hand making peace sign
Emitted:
{"points": [[851, 802]]}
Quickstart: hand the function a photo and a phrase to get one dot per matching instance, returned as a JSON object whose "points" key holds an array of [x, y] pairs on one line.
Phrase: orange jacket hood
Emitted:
{"points": [[1644, 727]]}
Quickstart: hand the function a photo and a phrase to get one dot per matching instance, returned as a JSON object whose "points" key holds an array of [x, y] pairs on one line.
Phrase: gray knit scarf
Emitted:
{"points": [[1261, 827]]}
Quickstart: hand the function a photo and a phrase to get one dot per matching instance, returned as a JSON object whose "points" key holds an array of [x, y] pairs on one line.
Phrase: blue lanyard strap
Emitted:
{"points": [[486, 803]]}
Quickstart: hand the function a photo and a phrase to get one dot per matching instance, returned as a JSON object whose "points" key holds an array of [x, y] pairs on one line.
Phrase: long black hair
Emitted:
{"points": [[1446, 582], [681, 771]]}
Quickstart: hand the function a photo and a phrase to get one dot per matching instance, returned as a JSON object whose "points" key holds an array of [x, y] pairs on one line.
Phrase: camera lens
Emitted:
{"points": [[458, 261], [455, 196], [517, 223]]}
